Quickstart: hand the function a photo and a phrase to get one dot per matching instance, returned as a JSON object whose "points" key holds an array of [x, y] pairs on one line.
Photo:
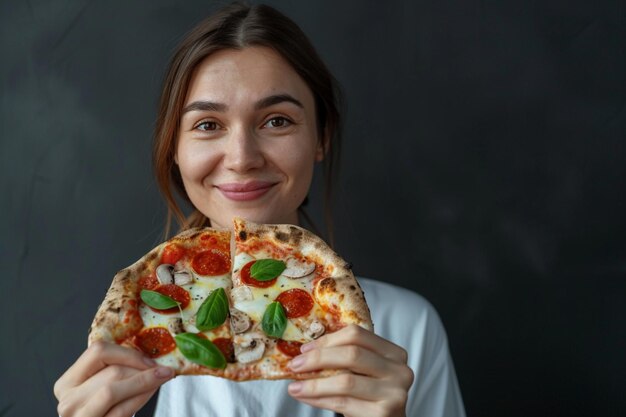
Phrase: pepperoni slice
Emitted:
{"points": [[177, 293], [172, 253], [155, 341], [211, 262], [289, 348], [296, 302], [225, 345], [149, 282], [248, 280]]}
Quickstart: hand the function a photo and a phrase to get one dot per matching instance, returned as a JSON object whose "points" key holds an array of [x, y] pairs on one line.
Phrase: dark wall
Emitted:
{"points": [[484, 167]]}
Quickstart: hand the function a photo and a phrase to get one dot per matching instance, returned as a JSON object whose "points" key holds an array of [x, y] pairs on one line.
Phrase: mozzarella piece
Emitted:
{"points": [[174, 359], [200, 289], [292, 333], [243, 293], [153, 319], [240, 260]]}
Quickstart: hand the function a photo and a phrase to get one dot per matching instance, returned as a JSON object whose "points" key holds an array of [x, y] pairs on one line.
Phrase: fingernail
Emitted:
{"points": [[149, 362], [307, 346], [163, 372], [295, 387], [296, 362]]}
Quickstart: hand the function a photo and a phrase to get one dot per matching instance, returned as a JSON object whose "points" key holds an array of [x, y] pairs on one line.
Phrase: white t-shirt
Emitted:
{"points": [[399, 315]]}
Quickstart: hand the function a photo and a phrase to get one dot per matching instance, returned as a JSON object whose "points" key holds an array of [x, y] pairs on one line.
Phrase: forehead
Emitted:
{"points": [[233, 76]]}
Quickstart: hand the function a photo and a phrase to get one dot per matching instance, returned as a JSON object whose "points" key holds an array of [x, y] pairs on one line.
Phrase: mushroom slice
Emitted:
{"points": [[243, 293], [298, 269], [314, 329], [175, 325], [164, 273], [250, 350], [190, 325], [182, 277], [239, 321]]}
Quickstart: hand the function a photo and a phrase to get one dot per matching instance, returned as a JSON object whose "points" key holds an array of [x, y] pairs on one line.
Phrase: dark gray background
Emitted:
{"points": [[484, 168]]}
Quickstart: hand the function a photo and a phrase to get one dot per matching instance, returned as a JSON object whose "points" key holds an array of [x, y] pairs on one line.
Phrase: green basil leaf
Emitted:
{"points": [[213, 311], [201, 351], [274, 320], [157, 300], [266, 269]]}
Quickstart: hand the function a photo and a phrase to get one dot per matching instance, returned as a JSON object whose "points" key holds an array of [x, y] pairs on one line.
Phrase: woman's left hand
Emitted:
{"points": [[377, 381]]}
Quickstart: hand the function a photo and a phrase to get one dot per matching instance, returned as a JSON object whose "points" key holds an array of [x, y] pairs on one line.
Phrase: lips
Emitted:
{"points": [[245, 191]]}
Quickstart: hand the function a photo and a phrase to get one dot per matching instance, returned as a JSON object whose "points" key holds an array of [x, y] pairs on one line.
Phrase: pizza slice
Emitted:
{"points": [[192, 306], [289, 288], [172, 304]]}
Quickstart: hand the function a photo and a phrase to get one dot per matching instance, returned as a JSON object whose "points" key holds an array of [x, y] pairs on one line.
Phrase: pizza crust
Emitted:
{"points": [[117, 317]]}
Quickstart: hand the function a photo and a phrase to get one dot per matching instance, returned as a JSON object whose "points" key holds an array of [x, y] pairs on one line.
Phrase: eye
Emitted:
{"points": [[207, 126], [278, 122]]}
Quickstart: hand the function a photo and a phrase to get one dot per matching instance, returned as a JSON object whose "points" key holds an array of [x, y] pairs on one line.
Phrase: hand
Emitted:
{"points": [[377, 381], [108, 380]]}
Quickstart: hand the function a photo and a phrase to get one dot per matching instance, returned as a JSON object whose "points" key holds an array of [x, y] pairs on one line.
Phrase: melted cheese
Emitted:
{"points": [[174, 359], [255, 308]]}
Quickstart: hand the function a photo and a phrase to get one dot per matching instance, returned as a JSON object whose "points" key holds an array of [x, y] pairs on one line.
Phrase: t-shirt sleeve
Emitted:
{"points": [[408, 320], [436, 391]]}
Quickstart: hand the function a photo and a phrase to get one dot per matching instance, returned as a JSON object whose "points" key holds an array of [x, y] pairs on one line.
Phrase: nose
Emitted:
{"points": [[242, 151]]}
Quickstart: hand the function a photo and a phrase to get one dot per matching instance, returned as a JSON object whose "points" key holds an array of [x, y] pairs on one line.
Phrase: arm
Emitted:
{"points": [[108, 380]]}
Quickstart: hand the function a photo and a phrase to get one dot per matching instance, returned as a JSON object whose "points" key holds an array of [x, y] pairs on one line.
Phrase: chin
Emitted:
{"points": [[266, 216]]}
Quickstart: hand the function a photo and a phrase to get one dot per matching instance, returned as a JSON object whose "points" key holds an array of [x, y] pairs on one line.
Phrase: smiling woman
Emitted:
{"points": [[193, 87], [247, 110]]}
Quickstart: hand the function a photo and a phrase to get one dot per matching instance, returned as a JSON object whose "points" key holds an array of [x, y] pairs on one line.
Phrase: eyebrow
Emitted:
{"points": [[205, 106], [261, 104], [276, 99]]}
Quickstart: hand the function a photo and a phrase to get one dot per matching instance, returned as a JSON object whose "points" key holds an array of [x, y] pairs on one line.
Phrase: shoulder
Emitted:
{"points": [[384, 293], [401, 315]]}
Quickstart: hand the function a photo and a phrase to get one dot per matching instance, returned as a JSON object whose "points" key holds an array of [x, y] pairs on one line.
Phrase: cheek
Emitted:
{"points": [[298, 165], [195, 163]]}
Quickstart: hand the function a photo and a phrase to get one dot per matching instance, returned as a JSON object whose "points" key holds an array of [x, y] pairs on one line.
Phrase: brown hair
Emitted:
{"points": [[235, 27]]}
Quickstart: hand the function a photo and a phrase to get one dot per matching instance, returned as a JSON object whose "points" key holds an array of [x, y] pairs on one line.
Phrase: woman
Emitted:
{"points": [[247, 110]]}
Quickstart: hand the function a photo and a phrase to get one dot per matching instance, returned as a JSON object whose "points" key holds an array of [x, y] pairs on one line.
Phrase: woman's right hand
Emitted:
{"points": [[108, 380]]}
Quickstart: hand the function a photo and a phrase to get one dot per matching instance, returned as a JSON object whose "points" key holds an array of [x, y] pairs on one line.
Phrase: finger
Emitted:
{"points": [[356, 335], [131, 405], [110, 375], [345, 384], [98, 356], [75, 398], [341, 405], [353, 407], [111, 395], [354, 358]]}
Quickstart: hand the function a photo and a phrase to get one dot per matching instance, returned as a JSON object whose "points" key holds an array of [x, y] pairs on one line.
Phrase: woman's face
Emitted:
{"points": [[248, 138]]}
